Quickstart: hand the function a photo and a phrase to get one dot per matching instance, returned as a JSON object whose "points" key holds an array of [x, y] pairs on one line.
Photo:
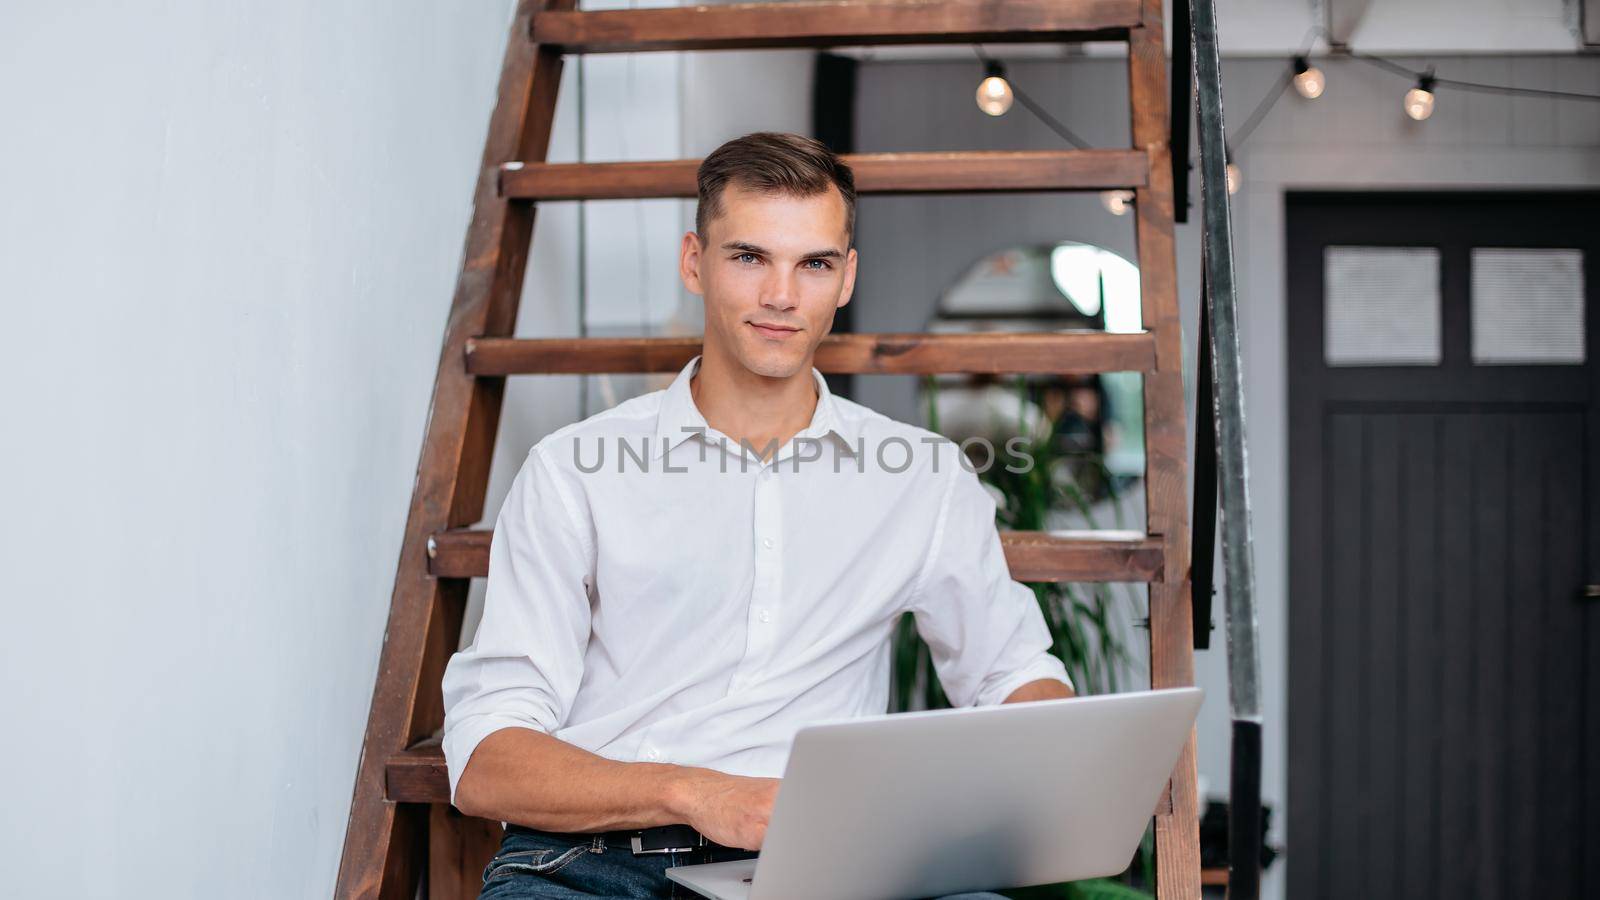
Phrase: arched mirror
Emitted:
{"points": [[1086, 430]]}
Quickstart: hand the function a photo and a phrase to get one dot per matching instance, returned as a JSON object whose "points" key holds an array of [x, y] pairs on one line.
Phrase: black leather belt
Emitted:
{"points": [[660, 839], [665, 839]]}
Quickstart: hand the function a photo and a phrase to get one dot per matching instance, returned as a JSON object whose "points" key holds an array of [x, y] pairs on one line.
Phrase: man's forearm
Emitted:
{"points": [[1040, 689], [530, 778]]}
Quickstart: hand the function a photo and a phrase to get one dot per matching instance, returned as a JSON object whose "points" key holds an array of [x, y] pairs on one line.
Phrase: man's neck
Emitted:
{"points": [[748, 407]]}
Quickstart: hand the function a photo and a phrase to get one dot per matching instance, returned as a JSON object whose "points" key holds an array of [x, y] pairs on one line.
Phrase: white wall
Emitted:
{"points": [[1400, 26], [229, 234]]}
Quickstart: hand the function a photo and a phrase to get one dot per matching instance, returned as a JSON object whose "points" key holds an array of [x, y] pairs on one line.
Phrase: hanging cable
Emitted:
{"points": [[1481, 87], [1309, 81], [1032, 106], [1263, 107]]}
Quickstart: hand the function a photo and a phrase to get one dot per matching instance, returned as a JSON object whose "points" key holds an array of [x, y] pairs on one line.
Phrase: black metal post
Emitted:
{"points": [[1180, 110], [1244, 849], [1203, 538]]}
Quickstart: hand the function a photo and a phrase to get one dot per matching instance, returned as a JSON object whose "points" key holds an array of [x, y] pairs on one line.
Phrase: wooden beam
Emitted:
{"points": [[837, 24], [1071, 556], [458, 849], [1177, 828], [979, 171], [997, 353], [418, 774], [1081, 556]]}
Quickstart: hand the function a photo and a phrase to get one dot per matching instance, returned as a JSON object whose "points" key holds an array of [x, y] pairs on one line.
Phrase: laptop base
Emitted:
{"points": [[720, 881]]}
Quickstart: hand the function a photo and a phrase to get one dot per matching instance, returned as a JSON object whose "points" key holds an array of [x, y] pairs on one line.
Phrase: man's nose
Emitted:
{"points": [[780, 292]]}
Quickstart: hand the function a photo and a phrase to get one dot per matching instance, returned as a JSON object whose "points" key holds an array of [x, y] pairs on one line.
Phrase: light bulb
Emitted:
{"points": [[1235, 178], [1117, 201], [994, 94], [1419, 100], [1308, 79]]}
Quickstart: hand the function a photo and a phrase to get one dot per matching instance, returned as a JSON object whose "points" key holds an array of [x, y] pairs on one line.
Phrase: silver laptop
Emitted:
{"points": [[923, 804]]}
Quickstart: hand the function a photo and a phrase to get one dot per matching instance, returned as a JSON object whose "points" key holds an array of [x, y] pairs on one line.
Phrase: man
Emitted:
{"points": [[680, 583]]}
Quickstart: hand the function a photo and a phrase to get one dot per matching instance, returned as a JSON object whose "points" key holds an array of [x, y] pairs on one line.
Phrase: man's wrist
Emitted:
{"points": [[673, 793]]}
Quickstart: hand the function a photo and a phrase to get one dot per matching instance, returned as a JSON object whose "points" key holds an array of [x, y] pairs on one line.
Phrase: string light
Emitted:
{"points": [[994, 92], [1308, 79], [995, 96], [1117, 201], [1419, 100], [1233, 176]]}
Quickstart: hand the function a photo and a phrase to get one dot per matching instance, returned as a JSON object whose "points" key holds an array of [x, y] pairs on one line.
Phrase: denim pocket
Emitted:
{"points": [[539, 861]]}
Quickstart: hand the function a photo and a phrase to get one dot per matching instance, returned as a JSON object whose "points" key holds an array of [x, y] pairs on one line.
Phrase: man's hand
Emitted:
{"points": [[732, 810]]}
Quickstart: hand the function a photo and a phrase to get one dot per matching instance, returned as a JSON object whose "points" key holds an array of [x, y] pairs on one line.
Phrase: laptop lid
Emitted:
{"points": [[982, 798]]}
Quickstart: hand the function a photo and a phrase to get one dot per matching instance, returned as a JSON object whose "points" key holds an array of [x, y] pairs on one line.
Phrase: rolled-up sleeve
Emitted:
{"points": [[523, 667], [985, 631]]}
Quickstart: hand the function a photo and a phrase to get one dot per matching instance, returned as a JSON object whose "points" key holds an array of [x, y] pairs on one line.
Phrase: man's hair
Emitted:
{"points": [[773, 162]]}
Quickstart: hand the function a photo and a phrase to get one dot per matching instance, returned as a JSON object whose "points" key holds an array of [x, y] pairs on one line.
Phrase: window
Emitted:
{"points": [[1527, 306], [1381, 306]]}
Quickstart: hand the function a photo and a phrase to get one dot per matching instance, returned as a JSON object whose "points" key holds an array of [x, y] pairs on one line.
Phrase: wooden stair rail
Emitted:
{"points": [[752, 26], [975, 171], [400, 821], [1075, 556], [386, 843], [1057, 353]]}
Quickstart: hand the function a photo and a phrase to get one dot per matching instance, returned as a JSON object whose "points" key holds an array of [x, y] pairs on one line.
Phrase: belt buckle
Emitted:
{"points": [[638, 846]]}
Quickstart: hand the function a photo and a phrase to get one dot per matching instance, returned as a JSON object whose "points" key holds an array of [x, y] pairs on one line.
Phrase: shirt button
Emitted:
{"points": [[652, 753], [766, 616], [767, 543]]}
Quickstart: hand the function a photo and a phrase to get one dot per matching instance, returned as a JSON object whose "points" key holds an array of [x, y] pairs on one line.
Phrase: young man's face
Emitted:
{"points": [[777, 261]]}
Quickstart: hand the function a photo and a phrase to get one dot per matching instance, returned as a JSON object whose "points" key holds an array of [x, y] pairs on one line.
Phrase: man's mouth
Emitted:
{"points": [[777, 332]]}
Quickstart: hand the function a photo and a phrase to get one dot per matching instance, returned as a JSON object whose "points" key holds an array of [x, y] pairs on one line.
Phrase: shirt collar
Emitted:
{"points": [[678, 411]]}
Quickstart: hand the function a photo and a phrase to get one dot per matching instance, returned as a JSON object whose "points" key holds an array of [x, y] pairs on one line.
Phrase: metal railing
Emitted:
{"points": [[1221, 471]]}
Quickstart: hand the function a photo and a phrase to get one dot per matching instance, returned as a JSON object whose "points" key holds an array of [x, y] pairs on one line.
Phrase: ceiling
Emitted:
{"points": [[1282, 27]]}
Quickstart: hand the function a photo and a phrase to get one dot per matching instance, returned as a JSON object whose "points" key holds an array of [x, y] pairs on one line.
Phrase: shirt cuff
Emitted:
{"points": [[1045, 665], [460, 741]]}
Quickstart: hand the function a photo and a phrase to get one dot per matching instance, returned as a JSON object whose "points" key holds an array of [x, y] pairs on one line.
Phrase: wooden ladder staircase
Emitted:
{"points": [[401, 826]]}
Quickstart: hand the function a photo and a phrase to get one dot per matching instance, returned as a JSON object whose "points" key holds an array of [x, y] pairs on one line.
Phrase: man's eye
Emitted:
{"points": [[741, 256], [821, 264]]}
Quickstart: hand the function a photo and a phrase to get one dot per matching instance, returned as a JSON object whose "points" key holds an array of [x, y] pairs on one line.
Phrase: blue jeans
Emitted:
{"points": [[541, 865]]}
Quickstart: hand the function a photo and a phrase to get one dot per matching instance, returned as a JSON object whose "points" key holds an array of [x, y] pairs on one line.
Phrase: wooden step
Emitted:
{"points": [[847, 24], [1075, 556], [418, 774], [913, 353], [979, 171]]}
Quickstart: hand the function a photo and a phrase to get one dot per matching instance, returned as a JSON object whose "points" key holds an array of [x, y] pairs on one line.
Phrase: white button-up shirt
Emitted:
{"points": [[657, 592]]}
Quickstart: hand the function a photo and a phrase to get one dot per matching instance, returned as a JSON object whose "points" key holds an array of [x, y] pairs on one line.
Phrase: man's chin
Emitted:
{"points": [[771, 361]]}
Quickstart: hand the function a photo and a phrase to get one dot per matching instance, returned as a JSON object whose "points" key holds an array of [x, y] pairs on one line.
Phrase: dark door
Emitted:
{"points": [[1443, 681]]}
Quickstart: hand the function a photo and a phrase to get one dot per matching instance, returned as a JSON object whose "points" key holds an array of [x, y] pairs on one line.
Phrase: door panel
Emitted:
{"points": [[1442, 701]]}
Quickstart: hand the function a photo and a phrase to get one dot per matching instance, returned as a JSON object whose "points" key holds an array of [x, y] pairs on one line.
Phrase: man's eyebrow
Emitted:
{"points": [[747, 247]]}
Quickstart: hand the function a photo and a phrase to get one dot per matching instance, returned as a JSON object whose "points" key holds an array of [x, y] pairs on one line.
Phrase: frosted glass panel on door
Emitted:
{"points": [[1381, 306], [1527, 306]]}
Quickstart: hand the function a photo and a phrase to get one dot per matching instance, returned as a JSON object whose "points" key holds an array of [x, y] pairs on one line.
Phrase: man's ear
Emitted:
{"points": [[689, 263], [849, 279]]}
